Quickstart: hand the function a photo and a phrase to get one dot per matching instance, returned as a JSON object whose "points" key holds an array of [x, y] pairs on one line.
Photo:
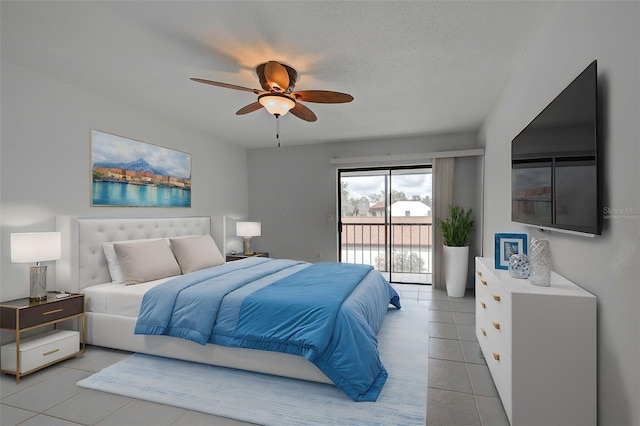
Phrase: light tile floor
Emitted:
{"points": [[460, 392]]}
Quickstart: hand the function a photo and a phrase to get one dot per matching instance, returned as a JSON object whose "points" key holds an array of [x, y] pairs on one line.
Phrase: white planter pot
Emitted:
{"points": [[456, 266]]}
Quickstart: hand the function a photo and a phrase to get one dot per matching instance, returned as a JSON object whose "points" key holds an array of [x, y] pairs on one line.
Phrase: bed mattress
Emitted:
{"points": [[118, 299]]}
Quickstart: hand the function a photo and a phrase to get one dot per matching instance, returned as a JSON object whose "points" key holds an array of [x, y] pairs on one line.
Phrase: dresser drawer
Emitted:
{"points": [[489, 287], [40, 350], [494, 340], [51, 312], [493, 313], [494, 302], [502, 377], [482, 281], [498, 318]]}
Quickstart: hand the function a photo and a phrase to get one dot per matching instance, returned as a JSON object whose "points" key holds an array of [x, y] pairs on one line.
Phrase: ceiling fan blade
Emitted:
{"points": [[249, 108], [263, 81], [277, 76], [267, 85], [303, 112], [226, 85], [322, 96], [293, 77]]}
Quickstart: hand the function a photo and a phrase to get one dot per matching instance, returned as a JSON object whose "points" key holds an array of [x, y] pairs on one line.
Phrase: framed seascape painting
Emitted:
{"points": [[506, 245], [130, 173]]}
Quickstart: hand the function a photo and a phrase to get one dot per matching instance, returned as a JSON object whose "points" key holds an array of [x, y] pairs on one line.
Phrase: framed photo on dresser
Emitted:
{"points": [[506, 245]]}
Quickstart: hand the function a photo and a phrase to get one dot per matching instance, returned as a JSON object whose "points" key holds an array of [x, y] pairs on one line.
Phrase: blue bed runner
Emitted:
{"points": [[304, 324], [303, 313]]}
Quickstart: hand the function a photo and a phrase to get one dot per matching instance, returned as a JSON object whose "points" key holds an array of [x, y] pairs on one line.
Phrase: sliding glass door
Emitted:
{"points": [[385, 221]]}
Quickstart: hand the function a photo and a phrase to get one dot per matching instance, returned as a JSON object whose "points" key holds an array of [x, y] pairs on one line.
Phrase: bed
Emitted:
{"points": [[115, 319]]}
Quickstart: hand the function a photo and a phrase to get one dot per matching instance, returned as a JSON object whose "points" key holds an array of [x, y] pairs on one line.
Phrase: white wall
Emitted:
{"points": [[45, 163], [292, 190], [574, 34]]}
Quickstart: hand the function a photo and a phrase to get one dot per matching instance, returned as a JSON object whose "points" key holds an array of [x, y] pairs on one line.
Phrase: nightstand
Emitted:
{"points": [[25, 356], [238, 256]]}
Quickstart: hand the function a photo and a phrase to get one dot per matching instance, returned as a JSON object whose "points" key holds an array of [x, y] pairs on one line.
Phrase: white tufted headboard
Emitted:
{"points": [[83, 262]]}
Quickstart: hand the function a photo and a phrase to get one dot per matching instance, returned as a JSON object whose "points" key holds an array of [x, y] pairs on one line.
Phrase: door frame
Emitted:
{"points": [[388, 222]]}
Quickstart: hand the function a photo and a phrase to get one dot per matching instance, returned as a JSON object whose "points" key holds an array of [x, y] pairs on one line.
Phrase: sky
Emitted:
{"points": [[106, 147], [410, 184]]}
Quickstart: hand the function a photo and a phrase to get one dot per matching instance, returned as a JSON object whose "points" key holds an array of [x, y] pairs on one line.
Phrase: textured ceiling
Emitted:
{"points": [[413, 67]]}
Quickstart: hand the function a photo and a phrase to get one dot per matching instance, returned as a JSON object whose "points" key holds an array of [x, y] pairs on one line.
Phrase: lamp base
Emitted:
{"points": [[38, 283], [246, 247]]}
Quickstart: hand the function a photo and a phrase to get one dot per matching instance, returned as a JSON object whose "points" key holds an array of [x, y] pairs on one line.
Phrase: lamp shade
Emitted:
{"points": [[36, 247], [248, 229], [276, 104]]}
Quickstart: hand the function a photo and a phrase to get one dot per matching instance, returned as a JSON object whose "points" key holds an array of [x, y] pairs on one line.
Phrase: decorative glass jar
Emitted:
{"points": [[519, 266], [540, 259]]}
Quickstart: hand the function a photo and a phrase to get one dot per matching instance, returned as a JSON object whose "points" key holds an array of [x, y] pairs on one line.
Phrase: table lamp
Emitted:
{"points": [[36, 247], [246, 230]]}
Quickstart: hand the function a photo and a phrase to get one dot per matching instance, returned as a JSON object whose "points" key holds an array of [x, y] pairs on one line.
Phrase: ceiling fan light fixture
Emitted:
{"points": [[277, 105]]}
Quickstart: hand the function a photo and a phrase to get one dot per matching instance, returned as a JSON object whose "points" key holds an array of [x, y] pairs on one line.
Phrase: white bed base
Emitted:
{"points": [[83, 264]]}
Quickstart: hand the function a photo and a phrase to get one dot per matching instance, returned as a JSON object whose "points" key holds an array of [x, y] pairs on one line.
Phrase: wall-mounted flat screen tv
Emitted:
{"points": [[555, 178]]}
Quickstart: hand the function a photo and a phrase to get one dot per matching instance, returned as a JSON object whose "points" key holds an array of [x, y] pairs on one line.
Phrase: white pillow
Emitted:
{"points": [[196, 252], [112, 260], [146, 261]]}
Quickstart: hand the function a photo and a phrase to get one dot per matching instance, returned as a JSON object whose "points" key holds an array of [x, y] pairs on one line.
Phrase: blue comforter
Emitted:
{"points": [[328, 313]]}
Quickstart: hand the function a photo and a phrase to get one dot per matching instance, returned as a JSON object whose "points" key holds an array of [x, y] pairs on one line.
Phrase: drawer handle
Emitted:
{"points": [[495, 297], [479, 273], [483, 282], [55, 311], [51, 352], [496, 356], [496, 325], [483, 331], [484, 305]]}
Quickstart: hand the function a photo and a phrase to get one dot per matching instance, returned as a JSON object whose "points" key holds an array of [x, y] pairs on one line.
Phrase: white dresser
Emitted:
{"points": [[540, 346]]}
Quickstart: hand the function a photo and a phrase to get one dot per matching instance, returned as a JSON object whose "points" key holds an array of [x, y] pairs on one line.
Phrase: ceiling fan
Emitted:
{"points": [[277, 95]]}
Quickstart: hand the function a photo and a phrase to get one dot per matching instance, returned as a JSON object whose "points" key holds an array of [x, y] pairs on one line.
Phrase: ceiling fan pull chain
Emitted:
{"points": [[277, 129]]}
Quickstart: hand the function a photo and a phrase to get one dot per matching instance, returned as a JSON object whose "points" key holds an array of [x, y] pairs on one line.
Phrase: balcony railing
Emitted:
{"points": [[397, 247]]}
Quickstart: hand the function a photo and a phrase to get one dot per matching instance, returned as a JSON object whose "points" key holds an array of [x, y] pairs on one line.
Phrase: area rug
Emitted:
{"points": [[270, 400]]}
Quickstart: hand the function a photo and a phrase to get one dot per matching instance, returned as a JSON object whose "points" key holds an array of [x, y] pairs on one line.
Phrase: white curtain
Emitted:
{"points": [[443, 170]]}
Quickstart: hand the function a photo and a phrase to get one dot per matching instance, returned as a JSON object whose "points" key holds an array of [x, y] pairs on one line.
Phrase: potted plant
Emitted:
{"points": [[456, 230]]}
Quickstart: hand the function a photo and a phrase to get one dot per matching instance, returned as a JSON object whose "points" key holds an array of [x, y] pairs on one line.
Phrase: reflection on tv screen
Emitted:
{"points": [[573, 205], [531, 197]]}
